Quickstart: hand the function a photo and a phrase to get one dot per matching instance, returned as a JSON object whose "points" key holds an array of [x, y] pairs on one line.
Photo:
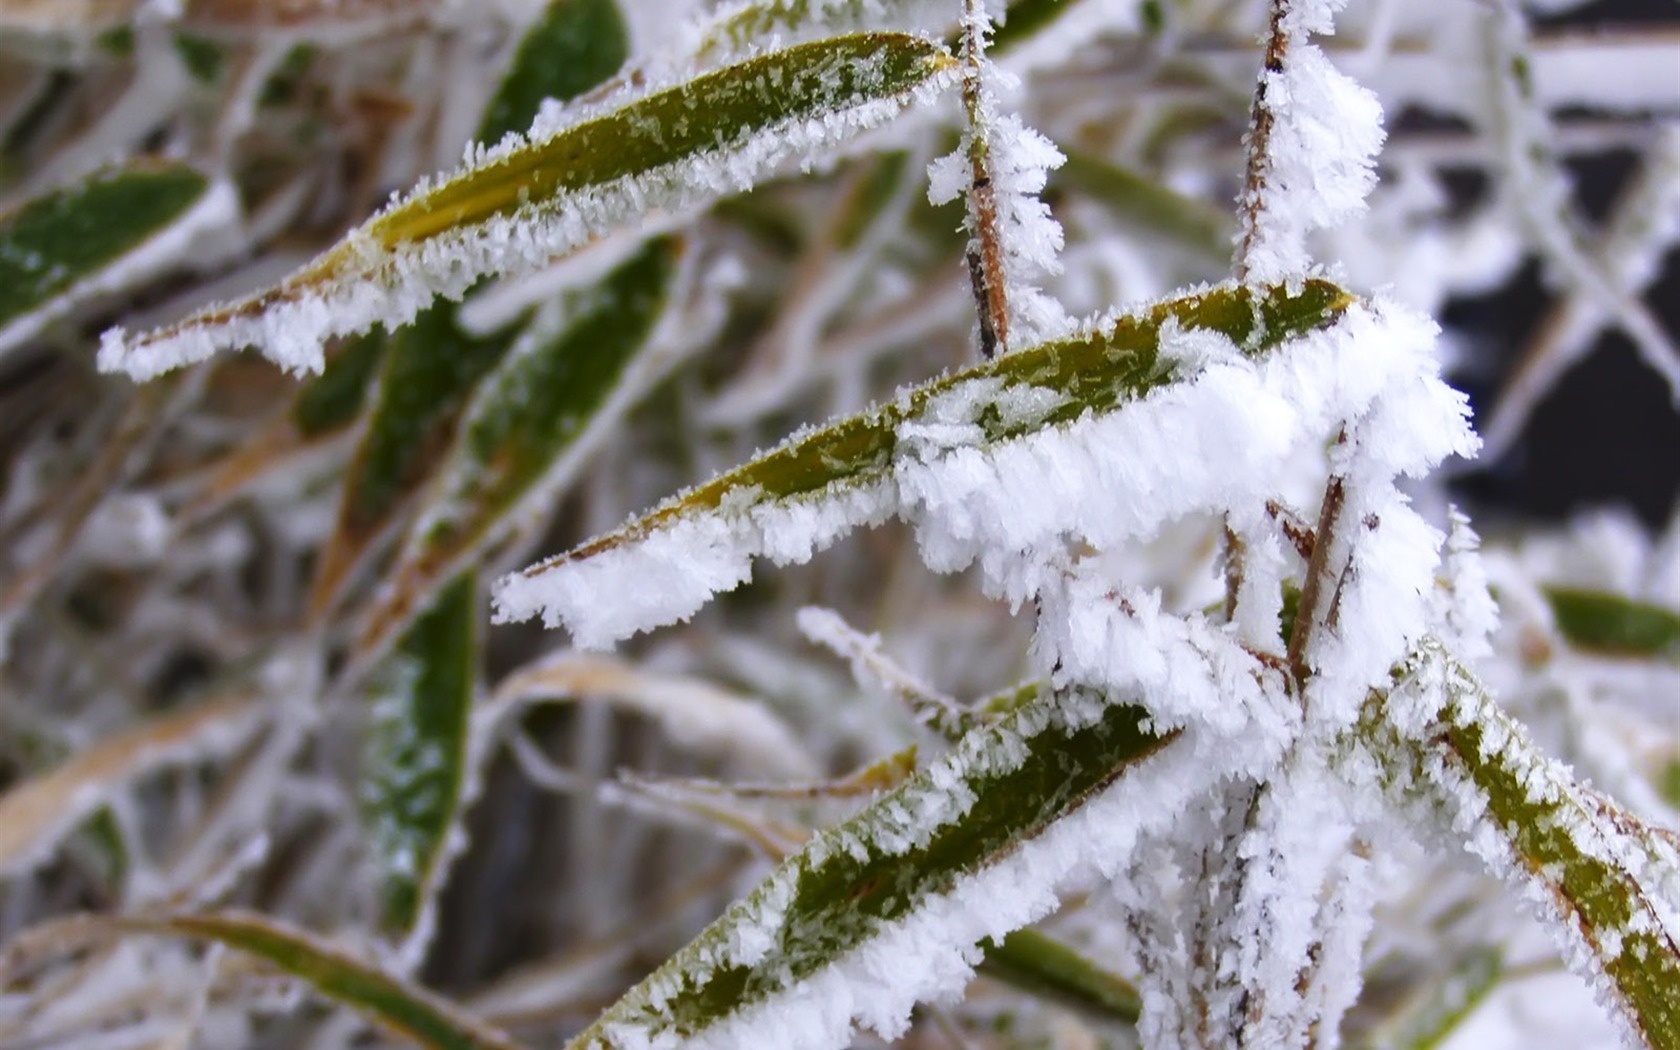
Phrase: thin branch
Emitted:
{"points": [[985, 247]]}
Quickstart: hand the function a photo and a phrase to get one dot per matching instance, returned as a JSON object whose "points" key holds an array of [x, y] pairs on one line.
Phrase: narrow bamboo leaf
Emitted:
{"points": [[97, 235], [404, 1008], [415, 766], [523, 203], [429, 373], [1615, 625], [1604, 877], [843, 469], [525, 432], [997, 792], [1150, 207], [1041, 965], [575, 45]]}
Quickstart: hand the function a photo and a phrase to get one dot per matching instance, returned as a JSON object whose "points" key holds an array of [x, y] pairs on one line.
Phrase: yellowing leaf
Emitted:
{"points": [[398, 1005], [857, 881]]}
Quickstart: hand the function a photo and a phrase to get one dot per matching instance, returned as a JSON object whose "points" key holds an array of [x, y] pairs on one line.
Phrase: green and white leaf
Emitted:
{"points": [[1609, 884], [103, 234], [821, 483], [417, 763], [526, 201], [889, 907]]}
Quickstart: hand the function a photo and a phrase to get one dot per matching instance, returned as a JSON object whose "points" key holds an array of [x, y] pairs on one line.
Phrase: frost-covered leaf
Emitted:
{"points": [[1608, 882], [396, 1004], [429, 373], [530, 426], [887, 907], [823, 482], [574, 46], [524, 202], [415, 773], [1615, 625], [105, 233]]}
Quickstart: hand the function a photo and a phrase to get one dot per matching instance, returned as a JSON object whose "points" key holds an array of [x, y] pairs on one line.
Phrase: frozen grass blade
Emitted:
{"points": [[525, 202], [102, 234], [745, 979], [1609, 882], [396, 1004], [1614, 625], [415, 769], [826, 481]]}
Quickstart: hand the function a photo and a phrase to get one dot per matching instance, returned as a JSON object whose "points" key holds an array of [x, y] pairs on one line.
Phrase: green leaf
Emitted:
{"points": [[1600, 867], [1096, 373], [415, 767], [429, 373], [398, 1005], [61, 243], [521, 206], [575, 45], [1615, 625], [1041, 965], [522, 436], [854, 881]]}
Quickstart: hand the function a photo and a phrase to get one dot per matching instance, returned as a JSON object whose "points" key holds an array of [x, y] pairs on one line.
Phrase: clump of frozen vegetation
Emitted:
{"points": [[984, 463]]}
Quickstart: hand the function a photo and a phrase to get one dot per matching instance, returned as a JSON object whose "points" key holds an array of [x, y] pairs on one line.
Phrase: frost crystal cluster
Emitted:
{"points": [[986, 472]]}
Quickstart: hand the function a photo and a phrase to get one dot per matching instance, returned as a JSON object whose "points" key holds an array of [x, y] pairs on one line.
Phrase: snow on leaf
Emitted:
{"points": [[415, 774], [888, 907], [1314, 140], [524, 202], [398, 1005], [1608, 883], [533, 421], [102, 234], [802, 495]]}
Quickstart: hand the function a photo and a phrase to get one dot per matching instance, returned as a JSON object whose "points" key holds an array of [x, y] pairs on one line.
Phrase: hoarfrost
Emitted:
{"points": [[1318, 133], [364, 282]]}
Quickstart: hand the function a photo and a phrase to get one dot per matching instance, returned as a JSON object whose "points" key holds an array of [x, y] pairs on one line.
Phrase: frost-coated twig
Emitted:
{"points": [[1643, 226], [985, 246], [1541, 196]]}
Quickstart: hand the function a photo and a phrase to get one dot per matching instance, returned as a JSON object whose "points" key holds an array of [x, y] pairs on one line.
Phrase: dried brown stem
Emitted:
{"points": [[985, 248], [1257, 140]]}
